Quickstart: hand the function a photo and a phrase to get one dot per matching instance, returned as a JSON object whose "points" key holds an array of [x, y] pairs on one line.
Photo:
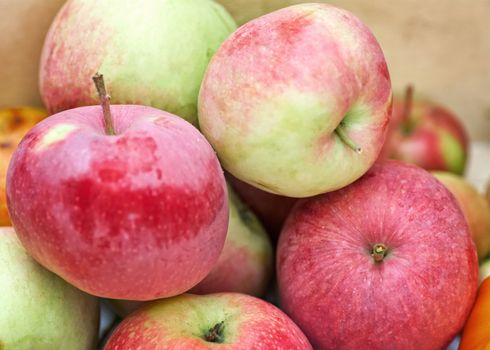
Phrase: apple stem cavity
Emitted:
{"points": [[340, 131], [379, 252], [215, 334], [105, 102]]}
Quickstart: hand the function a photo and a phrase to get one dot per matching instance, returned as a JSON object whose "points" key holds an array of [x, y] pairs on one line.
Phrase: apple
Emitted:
{"points": [[131, 205], [221, 321], [427, 134], [475, 208], [14, 124], [153, 54], [39, 309], [387, 262], [484, 270], [271, 209], [297, 102]]}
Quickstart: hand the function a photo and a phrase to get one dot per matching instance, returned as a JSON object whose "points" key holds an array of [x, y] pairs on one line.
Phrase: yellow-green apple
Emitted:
{"points": [[475, 209], [271, 209], [39, 309], [427, 134], [484, 269], [154, 53], [244, 266], [134, 210], [14, 124], [387, 262], [297, 102], [213, 321]]}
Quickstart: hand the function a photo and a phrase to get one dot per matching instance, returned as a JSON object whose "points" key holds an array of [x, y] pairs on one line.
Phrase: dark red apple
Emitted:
{"points": [[228, 321], [427, 134], [141, 214], [385, 263]]}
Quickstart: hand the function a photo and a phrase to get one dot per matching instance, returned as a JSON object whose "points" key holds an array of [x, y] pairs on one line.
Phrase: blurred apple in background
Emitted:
{"points": [[39, 309], [426, 134], [14, 124], [271, 209], [475, 209], [221, 321], [387, 262], [153, 54], [136, 211], [297, 102]]}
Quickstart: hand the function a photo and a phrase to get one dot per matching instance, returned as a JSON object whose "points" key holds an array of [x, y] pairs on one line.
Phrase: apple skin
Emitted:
{"points": [[276, 92], [14, 124], [141, 215], [154, 54], [271, 209], [430, 136], [182, 322], [417, 297], [475, 208], [39, 309]]}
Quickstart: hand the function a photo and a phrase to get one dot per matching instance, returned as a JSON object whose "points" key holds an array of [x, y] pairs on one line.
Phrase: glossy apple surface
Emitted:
{"points": [[14, 124], [221, 321], [426, 134], [152, 54], [139, 215], [387, 262], [475, 209], [39, 309], [297, 102]]}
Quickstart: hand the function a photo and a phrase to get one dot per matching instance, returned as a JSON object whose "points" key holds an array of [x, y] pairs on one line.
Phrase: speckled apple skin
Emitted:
{"points": [[140, 215], [280, 85], [180, 323], [151, 53], [418, 297]]}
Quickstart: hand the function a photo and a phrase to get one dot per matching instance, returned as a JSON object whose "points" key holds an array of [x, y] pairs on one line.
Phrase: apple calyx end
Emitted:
{"points": [[215, 334], [379, 252], [340, 131], [105, 102]]}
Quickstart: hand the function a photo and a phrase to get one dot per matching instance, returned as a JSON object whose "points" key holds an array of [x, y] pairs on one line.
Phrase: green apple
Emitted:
{"points": [[38, 309], [153, 52]]}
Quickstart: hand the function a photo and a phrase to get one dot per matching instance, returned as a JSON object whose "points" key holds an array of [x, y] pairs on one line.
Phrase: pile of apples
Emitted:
{"points": [[172, 135]]}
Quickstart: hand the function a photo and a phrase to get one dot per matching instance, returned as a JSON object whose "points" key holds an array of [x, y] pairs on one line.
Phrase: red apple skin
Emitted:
{"points": [[180, 323], [141, 215], [431, 137], [417, 297], [271, 209]]}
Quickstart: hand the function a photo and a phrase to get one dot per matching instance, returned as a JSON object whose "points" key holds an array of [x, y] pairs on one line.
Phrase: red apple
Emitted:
{"points": [[475, 208], [141, 214], [385, 263], [297, 102], [215, 321], [271, 209], [426, 134]]}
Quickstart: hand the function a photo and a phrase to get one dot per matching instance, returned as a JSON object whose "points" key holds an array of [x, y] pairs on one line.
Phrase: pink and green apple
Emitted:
{"points": [[427, 134], [214, 321], [39, 309], [475, 209], [154, 53], [387, 262], [297, 102], [134, 210]]}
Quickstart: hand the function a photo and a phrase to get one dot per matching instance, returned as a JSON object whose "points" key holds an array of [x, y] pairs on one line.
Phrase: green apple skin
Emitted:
{"points": [[152, 53], [39, 310], [184, 322], [279, 90], [475, 208], [484, 270]]}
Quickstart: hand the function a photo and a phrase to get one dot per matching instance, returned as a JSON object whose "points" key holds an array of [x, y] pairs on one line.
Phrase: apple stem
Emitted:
{"points": [[407, 108], [379, 252], [340, 131], [215, 334], [105, 102]]}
